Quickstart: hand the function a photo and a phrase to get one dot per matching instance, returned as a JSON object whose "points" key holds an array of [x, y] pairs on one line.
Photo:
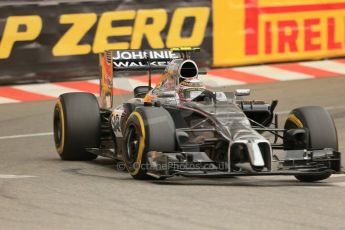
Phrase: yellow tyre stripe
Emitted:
{"points": [[296, 121], [141, 143], [60, 148]]}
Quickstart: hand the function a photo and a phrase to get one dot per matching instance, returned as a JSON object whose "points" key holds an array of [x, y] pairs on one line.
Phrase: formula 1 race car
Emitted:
{"points": [[180, 128]]}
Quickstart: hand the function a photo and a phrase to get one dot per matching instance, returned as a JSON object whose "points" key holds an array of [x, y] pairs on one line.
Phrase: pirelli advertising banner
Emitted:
{"points": [[260, 31], [55, 40]]}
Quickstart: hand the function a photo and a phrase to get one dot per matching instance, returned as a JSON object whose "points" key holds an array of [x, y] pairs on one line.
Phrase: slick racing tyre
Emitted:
{"points": [[322, 132], [77, 126], [147, 129]]}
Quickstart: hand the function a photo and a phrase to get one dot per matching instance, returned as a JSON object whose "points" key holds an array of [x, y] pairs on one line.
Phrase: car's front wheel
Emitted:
{"points": [[322, 132], [147, 129]]}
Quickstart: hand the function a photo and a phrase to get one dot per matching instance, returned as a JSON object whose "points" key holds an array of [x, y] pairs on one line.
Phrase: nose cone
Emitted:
{"points": [[251, 155], [255, 154]]}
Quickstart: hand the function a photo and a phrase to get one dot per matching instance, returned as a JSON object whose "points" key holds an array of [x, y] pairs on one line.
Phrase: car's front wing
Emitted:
{"points": [[198, 164]]}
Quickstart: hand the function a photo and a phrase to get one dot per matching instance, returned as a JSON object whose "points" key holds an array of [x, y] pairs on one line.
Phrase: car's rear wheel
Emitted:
{"points": [[76, 126], [147, 129], [322, 132]]}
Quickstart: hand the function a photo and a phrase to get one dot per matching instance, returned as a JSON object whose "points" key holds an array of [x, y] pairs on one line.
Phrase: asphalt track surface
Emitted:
{"points": [[39, 191]]}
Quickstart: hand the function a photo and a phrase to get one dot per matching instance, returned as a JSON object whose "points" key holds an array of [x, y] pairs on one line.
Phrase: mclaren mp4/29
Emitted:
{"points": [[180, 128]]}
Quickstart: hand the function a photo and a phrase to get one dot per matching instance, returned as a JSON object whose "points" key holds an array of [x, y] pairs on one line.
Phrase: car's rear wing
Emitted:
{"points": [[142, 60], [112, 61]]}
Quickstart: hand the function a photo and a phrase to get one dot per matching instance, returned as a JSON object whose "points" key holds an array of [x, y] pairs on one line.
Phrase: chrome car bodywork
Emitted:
{"points": [[218, 134]]}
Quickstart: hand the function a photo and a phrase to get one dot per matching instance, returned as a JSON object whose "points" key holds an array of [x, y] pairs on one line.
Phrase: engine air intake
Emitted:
{"points": [[188, 69]]}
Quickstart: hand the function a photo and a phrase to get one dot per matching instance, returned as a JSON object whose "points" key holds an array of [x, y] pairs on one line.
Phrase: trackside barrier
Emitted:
{"points": [[59, 40]]}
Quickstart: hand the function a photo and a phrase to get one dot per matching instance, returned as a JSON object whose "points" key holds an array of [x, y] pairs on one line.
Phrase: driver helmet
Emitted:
{"points": [[189, 89]]}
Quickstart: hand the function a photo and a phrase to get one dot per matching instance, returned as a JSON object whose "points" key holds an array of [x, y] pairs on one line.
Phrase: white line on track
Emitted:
{"points": [[214, 81], [4, 100], [6, 176], [338, 175], [330, 66], [123, 83], [274, 73], [26, 135], [48, 89]]}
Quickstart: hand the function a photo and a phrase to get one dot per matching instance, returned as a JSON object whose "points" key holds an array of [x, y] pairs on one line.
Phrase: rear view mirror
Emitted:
{"points": [[166, 94], [202, 72], [242, 92]]}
